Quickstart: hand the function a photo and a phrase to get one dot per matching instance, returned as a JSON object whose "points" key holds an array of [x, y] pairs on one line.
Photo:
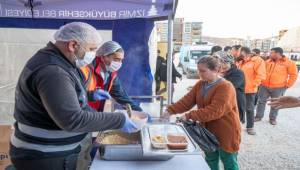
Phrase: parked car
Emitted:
{"points": [[189, 56]]}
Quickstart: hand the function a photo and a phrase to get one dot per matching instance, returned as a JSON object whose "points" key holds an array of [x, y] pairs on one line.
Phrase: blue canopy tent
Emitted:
{"points": [[131, 22]]}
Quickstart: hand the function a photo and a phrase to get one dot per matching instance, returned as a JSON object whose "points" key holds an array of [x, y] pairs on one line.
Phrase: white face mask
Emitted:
{"points": [[87, 59], [114, 66]]}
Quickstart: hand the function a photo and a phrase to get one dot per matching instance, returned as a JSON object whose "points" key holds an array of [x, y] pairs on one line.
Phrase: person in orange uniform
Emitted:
{"points": [[217, 110], [235, 51], [281, 75], [257, 53], [255, 72]]}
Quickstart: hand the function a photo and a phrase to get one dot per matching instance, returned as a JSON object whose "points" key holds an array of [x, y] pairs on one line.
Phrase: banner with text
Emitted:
{"points": [[87, 9]]}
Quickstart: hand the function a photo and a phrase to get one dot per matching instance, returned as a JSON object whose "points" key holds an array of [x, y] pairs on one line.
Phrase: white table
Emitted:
{"points": [[178, 162]]}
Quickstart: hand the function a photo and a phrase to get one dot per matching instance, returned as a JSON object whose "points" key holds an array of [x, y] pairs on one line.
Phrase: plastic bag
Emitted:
{"points": [[204, 138]]}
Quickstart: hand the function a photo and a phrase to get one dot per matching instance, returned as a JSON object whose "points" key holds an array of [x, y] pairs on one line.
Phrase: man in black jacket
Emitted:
{"points": [[231, 73], [159, 61], [51, 110], [162, 74]]}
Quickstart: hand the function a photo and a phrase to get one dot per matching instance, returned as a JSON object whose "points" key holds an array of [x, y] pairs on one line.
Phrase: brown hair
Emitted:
{"points": [[212, 63]]}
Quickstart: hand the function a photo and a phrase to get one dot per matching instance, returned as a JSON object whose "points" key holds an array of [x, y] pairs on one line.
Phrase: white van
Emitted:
{"points": [[189, 56]]}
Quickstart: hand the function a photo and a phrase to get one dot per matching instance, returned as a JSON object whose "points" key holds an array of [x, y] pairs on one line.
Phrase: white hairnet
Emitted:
{"points": [[108, 47], [79, 31]]}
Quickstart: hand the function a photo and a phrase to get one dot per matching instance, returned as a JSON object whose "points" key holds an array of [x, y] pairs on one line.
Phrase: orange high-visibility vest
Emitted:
{"points": [[94, 80]]}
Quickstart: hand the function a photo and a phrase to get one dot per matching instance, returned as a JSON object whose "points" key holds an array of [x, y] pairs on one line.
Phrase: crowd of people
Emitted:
{"points": [[235, 84], [62, 89]]}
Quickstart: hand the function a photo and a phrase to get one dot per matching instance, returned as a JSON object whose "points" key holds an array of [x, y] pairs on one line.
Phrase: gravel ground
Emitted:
{"points": [[274, 147]]}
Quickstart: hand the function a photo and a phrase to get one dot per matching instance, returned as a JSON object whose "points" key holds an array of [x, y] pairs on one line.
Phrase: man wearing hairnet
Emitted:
{"points": [[102, 83], [51, 110]]}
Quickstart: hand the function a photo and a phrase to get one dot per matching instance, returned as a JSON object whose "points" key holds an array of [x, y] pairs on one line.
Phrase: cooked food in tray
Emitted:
{"points": [[158, 142], [176, 138], [177, 142], [118, 138], [168, 137], [158, 139]]}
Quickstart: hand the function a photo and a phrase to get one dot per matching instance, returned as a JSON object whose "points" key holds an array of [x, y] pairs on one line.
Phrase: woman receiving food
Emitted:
{"points": [[217, 110]]}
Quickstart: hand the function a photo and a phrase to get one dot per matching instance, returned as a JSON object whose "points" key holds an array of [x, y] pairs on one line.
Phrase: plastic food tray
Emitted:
{"points": [[149, 146]]}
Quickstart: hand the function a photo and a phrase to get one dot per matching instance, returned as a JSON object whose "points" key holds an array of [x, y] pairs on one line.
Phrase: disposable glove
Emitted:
{"points": [[100, 94], [129, 126]]}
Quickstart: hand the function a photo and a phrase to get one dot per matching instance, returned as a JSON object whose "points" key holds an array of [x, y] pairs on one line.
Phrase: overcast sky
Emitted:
{"points": [[241, 18]]}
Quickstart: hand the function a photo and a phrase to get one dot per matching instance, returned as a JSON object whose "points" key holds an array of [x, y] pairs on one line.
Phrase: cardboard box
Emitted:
{"points": [[5, 132]]}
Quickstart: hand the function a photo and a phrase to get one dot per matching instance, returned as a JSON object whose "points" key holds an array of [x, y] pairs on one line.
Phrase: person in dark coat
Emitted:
{"points": [[159, 62], [162, 73], [231, 73]]}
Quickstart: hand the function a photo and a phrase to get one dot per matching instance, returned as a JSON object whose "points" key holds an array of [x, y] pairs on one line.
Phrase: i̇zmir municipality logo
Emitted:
{"points": [[152, 11]]}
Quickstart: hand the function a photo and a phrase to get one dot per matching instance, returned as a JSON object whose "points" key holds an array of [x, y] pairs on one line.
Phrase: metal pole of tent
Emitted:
{"points": [[170, 58]]}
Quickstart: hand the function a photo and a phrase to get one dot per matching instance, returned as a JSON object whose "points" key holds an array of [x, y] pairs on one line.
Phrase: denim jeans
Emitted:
{"points": [[263, 94]]}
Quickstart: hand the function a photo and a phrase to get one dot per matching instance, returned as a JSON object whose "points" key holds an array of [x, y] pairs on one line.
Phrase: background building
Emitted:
{"points": [[184, 33], [192, 33], [264, 44], [224, 41], [290, 40], [281, 33]]}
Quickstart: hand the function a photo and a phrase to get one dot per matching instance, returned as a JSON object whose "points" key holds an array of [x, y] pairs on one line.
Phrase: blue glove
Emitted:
{"points": [[100, 94], [129, 126]]}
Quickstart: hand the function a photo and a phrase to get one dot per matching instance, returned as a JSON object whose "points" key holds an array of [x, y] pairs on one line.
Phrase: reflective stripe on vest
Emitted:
{"points": [[44, 148], [43, 133]]}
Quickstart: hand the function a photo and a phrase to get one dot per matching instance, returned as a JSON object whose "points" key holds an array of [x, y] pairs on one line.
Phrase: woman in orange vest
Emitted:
{"points": [[101, 80]]}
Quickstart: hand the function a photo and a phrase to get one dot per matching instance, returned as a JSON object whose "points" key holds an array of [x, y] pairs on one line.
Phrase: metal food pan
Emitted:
{"points": [[127, 151]]}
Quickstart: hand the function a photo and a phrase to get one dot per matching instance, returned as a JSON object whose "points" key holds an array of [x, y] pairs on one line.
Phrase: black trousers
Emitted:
{"points": [[157, 86], [250, 106], [256, 97], [59, 163]]}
